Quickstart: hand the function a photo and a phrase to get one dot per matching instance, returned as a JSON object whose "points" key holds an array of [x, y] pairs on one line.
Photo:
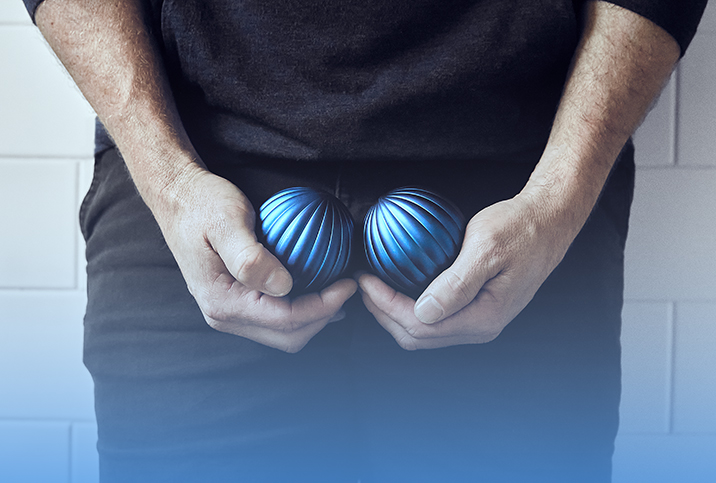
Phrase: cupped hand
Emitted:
{"points": [[238, 284], [508, 251]]}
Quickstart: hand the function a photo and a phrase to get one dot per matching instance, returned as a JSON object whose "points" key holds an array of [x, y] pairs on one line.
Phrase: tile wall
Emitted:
{"points": [[47, 430], [668, 430]]}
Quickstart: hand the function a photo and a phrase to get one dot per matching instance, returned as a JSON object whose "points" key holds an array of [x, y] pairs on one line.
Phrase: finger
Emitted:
{"points": [[285, 341], [412, 341], [284, 314], [326, 303], [247, 260], [340, 315], [394, 304], [395, 311], [476, 323], [454, 288], [283, 324]]}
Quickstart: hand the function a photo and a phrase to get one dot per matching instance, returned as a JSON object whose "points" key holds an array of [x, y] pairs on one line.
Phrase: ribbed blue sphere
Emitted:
{"points": [[410, 236], [310, 233]]}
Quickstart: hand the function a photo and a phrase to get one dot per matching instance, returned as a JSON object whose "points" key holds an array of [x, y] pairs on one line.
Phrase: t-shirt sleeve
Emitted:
{"points": [[678, 17], [31, 6]]}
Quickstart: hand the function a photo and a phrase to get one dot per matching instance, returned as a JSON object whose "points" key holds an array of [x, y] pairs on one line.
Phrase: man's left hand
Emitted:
{"points": [[621, 64], [508, 251]]}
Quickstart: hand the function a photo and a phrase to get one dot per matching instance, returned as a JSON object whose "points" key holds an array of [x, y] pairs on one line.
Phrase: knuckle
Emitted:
{"points": [[412, 331], [226, 216], [193, 291], [210, 304], [491, 330], [242, 212], [489, 240], [248, 261], [294, 345], [290, 325], [458, 286], [211, 322], [212, 310], [417, 332], [493, 250], [407, 343], [489, 336]]}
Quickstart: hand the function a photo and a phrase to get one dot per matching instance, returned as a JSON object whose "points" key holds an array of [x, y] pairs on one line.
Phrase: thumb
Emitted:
{"points": [[452, 290], [248, 261]]}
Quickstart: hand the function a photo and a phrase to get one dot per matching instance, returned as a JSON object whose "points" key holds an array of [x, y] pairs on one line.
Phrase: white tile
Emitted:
{"points": [[84, 461], [708, 21], [696, 122], [695, 364], [13, 12], [41, 370], [43, 113], [672, 239], [34, 451], [665, 459], [646, 368], [38, 219], [654, 140]]}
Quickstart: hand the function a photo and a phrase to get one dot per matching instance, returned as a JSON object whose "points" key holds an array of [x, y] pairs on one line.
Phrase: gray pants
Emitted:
{"points": [[177, 401]]}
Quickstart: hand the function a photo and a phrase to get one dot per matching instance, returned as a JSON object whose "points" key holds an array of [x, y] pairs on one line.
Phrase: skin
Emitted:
{"points": [[509, 248], [208, 223]]}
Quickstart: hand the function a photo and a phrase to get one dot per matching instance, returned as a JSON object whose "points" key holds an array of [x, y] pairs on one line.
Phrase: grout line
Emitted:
{"points": [[75, 254], [47, 420], [70, 453], [652, 434], [670, 371], [673, 121], [5, 157], [684, 167], [10, 289], [666, 301]]}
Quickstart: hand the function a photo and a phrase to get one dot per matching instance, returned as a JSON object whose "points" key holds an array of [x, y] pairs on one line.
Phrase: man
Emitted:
{"points": [[519, 112]]}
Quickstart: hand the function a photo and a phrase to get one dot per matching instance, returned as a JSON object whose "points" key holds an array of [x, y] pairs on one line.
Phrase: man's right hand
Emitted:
{"points": [[240, 287], [207, 222]]}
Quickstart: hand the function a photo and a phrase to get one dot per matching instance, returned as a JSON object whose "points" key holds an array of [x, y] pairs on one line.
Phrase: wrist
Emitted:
{"points": [[165, 182], [162, 168], [563, 190]]}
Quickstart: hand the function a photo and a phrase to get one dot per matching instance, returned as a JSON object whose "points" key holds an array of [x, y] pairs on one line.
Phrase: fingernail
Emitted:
{"points": [[428, 310], [279, 283], [361, 283]]}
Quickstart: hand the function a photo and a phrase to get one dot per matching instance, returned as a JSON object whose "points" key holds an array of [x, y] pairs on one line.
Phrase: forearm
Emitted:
{"points": [[621, 65], [106, 48], [207, 223]]}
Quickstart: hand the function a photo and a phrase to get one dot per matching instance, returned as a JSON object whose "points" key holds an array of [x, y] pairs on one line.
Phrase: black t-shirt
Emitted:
{"points": [[376, 79]]}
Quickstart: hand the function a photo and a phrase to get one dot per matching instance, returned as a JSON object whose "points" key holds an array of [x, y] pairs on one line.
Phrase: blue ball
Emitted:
{"points": [[410, 236], [310, 232]]}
